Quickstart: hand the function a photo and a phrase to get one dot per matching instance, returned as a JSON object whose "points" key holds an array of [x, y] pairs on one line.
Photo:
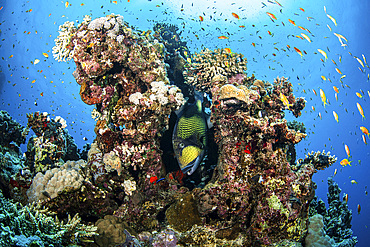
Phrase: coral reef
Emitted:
{"points": [[316, 235], [11, 160], [177, 54], [208, 66], [257, 195], [112, 232], [12, 133], [30, 226], [48, 185], [60, 50], [336, 219], [52, 143]]}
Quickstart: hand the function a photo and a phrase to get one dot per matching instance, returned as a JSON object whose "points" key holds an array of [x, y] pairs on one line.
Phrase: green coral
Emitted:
{"points": [[276, 204]]}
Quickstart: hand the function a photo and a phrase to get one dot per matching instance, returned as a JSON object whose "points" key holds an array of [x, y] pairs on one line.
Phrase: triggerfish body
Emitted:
{"points": [[189, 138]]}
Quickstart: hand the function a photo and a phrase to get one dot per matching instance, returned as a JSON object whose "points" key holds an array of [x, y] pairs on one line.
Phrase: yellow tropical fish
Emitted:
{"points": [[336, 89], [189, 138], [323, 97], [45, 54], [332, 19], [36, 61], [345, 162], [340, 36], [285, 101], [336, 69], [359, 60], [359, 107], [363, 56], [358, 95], [323, 77], [353, 181], [306, 37], [348, 152], [336, 116], [364, 139], [323, 53], [365, 130]]}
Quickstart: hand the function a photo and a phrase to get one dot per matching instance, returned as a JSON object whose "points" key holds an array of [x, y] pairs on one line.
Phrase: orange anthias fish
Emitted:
{"points": [[358, 208], [361, 111], [223, 37], [235, 15], [336, 89], [301, 9], [365, 131], [228, 50], [298, 51], [291, 21], [306, 37], [201, 18], [345, 162], [323, 96], [314, 91], [323, 53], [332, 19], [340, 72], [272, 16], [348, 152], [285, 100], [336, 116]]}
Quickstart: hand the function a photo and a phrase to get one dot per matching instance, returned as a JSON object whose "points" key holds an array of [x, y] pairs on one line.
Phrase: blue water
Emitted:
{"points": [[20, 94]]}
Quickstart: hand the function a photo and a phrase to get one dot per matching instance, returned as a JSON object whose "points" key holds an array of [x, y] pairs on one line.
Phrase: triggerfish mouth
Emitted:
{"points": [[189, 138]]}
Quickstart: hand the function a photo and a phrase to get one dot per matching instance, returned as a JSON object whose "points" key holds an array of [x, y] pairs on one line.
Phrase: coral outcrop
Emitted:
{"points": [[336, 220], [51, 144], [258, 194]]}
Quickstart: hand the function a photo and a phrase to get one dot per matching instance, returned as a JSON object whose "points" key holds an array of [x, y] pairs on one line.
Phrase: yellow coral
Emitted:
{"points": [[241, 93]]}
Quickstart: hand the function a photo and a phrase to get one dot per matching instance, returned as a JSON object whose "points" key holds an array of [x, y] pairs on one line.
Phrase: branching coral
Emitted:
{"points": [[208, 65], [61, 51], [27, 225]]}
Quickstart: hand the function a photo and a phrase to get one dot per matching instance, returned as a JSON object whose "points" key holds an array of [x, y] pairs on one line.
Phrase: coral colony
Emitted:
{"points": [[250, 190]]}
